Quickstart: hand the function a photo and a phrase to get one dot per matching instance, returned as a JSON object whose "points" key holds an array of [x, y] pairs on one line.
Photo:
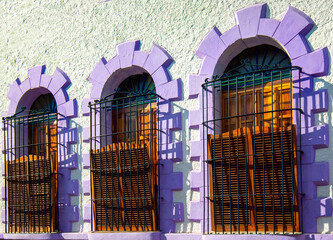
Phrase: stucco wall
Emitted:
{"points": [[74, 35]]}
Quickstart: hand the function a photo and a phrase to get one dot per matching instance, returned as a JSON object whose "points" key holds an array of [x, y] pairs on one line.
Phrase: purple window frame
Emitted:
{"points": [[23, 94], [253, 28], [106, 76]]}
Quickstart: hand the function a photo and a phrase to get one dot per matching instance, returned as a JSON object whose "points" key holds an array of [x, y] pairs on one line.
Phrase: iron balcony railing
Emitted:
{"points": [[124, 163], [252, 147], [31, 166]]}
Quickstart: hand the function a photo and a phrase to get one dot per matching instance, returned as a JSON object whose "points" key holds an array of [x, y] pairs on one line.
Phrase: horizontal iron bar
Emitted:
{"points": [[250, 195], [122, 168], [253, 114], [292, 68]]}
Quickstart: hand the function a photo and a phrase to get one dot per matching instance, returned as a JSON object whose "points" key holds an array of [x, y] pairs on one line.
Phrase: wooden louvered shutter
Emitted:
{"points": [[276, 179], [107, 189], [230, 165], [41, 194], [32, 185], [30, 194], [127, 200], [138, 187], [18, 195]]}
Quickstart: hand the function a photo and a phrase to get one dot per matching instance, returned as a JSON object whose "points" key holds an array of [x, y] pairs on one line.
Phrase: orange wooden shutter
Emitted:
{"points": [[230, 165], [30, 194], [134, 182], [107, 189], [40, 194], [138, 187], [32, 185], [18, 196], [278, 168]]}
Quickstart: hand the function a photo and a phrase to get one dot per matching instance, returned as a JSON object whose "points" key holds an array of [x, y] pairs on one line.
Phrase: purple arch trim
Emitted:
{"points": [[27, 91], [108, 74], [253, 28]]}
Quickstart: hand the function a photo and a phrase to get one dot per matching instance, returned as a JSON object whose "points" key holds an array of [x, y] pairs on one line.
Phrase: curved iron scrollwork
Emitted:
{"points": [[133, 86], [45, 103], [258, 58]]}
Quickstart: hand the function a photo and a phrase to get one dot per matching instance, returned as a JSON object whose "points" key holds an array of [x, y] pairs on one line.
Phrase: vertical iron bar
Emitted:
{"points": [[118, 131], [26, 215], [300, 152], [123, 163], [16, 155], [272, 142], [237, 144], [292, 167], [281, 138], [246, 155], [43, 139], [150, 163], [113, 168], [42, 144], [93, 167], [32, 201], [137, 164], [229, 159], [151, 160], [213, 160], [5, 135], [263, 149], [222, 194], [131, 164], [203, 164], [254, 156], [103, 111], [100, 170], [57, 179], [158, 201], [208, 203]]}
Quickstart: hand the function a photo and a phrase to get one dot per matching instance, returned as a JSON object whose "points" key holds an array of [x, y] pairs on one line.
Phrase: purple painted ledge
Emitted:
{"points": [[160, 236]]}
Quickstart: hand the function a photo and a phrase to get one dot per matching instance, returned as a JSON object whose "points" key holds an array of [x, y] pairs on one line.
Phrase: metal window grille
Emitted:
{"points": [[30, 155], [252, 149], [124, 162]]}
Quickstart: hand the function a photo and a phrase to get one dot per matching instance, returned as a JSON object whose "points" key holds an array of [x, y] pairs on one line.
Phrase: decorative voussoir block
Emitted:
{"points": [[248, 19], [293, 23], [125, 52], [212, 45]]}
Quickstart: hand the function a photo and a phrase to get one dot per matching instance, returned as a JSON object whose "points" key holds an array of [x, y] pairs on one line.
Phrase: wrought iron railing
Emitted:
{"points": [[31, 166], [252, 149], [124, 162]]}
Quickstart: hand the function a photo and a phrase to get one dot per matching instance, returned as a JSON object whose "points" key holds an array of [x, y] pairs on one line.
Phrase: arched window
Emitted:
{"points": [[31, 162], [123, 157], [251, 138]]}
